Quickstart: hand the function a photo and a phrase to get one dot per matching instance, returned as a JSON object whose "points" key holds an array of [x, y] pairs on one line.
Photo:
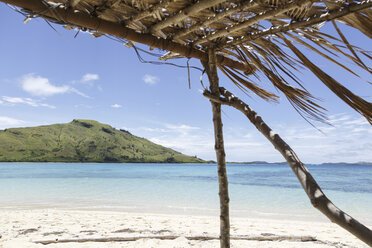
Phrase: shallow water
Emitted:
{"points": [[269, 191]]}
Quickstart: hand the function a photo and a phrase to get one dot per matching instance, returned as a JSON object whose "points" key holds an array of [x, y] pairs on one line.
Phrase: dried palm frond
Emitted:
{"points": [[350, 47], [354, 101], [299, 40], [244, 83], [300, 98]]}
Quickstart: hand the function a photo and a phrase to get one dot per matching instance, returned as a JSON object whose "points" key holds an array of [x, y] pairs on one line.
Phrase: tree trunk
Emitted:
{"points": [[211, 69], [314, 192]]}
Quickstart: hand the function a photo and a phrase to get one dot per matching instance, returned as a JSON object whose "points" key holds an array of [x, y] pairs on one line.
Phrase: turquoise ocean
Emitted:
{"points": [[256, 190]]}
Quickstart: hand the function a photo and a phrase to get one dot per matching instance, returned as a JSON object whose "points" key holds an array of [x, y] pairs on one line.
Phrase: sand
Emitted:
{"points": [[20, 228]]}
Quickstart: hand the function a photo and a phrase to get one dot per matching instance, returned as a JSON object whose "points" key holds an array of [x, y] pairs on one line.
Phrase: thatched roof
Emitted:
{"points": [[249, 36]]}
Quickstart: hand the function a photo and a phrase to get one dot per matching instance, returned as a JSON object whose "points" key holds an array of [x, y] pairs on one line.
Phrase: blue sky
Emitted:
{"points": [[48, 77]]}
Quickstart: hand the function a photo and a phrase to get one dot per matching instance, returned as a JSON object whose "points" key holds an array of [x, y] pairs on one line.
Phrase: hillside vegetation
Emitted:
{"points": [[83, 141]]}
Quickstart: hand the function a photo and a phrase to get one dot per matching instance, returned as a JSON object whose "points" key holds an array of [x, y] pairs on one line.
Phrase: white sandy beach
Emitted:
{"points": [[20, 228]]}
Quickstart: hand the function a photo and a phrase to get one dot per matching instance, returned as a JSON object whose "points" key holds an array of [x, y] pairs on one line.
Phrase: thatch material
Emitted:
{"points": [[249, 36], [253, 20]]}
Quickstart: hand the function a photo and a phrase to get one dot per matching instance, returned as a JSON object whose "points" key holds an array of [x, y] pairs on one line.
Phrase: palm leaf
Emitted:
{"points": [[241, 80], [322, 54], [350, 47], [302, 100], [354, 101]]}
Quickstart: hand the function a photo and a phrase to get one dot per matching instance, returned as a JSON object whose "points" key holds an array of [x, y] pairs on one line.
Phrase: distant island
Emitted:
{"points": [[344, 163], [83, 141]]}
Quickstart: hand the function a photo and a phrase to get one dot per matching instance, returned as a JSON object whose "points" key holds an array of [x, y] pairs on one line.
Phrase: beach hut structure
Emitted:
{"points": [[246, 40]]}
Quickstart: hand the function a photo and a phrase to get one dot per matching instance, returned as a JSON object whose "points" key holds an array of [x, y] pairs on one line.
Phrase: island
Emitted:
{"points": [[83, 141]]}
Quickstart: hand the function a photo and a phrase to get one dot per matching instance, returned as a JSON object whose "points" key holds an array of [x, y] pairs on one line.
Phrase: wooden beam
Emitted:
{"points": [[183, 14], [71, 16], [241, 6], [331, 15], [252, 20]]}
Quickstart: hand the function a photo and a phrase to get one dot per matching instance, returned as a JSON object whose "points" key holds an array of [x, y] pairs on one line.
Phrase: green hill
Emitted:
{"points": [[83, 141]]}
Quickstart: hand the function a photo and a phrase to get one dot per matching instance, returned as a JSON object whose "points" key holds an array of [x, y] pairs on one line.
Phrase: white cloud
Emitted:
{"points": [[184, 138], [349, 140], [28, 101], [359, 121], [180, 127], [149, 129], [83, 106], [192, 140], [39, 86], [7, 122], [248, 136], [89, 77], [335, 119], [169, 128], [73, 90], [197, 144], [116, 105], [149, 79], [242, 144]]}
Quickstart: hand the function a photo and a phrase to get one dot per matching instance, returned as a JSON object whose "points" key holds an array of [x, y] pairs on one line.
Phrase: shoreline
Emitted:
{"points": [[19, 228], [289, 213], [175, 211]]}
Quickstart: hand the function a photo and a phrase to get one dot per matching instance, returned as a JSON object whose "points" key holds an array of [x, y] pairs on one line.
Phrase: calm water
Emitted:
{"points": [[255, 190]]}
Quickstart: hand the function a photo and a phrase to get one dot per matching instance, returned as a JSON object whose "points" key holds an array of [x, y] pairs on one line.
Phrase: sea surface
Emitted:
{"points": [[256, 190]]}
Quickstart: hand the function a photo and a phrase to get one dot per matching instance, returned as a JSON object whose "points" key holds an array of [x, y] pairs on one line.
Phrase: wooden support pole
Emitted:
{"points": [[211, 69]]}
